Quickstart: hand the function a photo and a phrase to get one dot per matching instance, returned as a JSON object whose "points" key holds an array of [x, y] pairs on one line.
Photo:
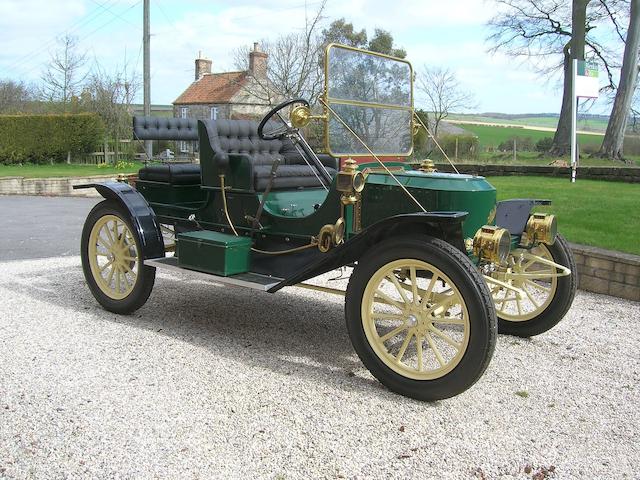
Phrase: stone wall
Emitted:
{"points": [[50, 186], [621, 174], [608, 272]]}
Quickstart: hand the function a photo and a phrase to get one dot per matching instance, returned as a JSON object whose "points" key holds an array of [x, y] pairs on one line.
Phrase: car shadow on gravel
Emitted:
{"points": [[294, 332]]}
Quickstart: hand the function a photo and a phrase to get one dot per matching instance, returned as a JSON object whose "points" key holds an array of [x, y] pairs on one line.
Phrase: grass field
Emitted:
{"points": [[492, 136], [549, 122], [603, 214], [63, 170]]}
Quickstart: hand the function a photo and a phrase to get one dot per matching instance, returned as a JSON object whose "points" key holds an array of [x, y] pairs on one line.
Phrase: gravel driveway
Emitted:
{"points": [[212, 381]]}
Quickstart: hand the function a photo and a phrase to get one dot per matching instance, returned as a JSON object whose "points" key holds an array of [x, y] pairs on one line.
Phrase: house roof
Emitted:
{"points": [[213, 88]]}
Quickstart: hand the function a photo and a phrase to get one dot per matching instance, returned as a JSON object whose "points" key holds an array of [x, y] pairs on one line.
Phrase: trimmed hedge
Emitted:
{"points": [[48, 138]]}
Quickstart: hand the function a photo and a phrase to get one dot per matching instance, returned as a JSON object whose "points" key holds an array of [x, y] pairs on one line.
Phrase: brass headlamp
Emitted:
{"points": [[492, 244], [541, 228]]}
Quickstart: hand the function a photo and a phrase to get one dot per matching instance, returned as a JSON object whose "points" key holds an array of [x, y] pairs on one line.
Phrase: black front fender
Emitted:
{"points": [[444, 225], [142, 215]]}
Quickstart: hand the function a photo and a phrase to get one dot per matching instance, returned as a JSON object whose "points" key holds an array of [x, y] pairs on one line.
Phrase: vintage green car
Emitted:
{"points": [[436, 265]]}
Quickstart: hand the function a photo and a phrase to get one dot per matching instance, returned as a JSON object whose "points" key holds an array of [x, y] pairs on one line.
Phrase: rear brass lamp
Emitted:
{"points": [[492, 244], [350, 181], [542, 228]]}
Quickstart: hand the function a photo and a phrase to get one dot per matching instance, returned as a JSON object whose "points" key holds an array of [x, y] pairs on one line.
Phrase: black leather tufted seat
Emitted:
{"points": [[240, 137], [175, 174], [157, 128]]}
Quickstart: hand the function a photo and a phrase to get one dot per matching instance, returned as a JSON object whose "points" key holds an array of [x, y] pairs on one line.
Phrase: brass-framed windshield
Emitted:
{"points": [[372, 93]]}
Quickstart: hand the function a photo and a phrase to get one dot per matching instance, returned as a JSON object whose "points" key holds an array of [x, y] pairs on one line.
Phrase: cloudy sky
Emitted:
{"points": [[448, 34]]}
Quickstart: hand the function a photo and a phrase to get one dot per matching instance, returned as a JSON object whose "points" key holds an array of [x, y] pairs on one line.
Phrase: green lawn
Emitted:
{"points": [[63, 170], [492, 136], [603, 214]]}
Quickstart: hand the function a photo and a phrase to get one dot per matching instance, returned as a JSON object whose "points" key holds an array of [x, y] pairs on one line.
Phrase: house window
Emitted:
{"points": [[183, 112], [214, 113], [183, 146]]}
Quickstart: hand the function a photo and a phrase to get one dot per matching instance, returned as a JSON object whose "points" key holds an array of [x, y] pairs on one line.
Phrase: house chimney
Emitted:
{"points": [[203, 66], [257, 62]]}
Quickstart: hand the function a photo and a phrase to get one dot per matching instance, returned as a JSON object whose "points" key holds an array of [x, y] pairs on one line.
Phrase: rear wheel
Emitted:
{"points": [[420, 317], [547, 296], [112, 260]]}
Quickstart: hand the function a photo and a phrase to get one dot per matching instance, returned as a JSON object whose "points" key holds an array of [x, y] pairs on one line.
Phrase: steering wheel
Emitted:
{"points": [[286, 128]]}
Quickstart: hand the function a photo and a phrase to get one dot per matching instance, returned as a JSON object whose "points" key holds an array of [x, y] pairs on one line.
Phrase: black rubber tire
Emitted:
{"points": [[559, 306], [464, 274], [146, 275]]}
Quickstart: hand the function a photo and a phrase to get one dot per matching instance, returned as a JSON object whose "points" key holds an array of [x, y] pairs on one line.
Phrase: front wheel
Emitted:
{"points": [[420, 317], [112, 260], [547, 296]]}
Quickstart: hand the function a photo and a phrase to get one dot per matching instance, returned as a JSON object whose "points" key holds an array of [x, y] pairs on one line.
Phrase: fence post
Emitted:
{"points": [[514, 150], [456, 155]]}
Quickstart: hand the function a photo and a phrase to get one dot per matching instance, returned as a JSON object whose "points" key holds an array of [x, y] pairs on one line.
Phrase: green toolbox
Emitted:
{"points": [[213, 252]]}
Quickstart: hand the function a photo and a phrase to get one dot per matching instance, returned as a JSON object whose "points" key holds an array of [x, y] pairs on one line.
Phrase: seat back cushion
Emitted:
{"points": [[241, 136]]}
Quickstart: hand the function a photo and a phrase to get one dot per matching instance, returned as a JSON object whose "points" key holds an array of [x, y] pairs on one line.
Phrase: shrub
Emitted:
{"points": [[544, 144], [523, 144], [467, 146], [631, 145], [47, 138]]}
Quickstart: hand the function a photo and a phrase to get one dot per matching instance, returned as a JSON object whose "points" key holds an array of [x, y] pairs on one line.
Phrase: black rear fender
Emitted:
{"points": [[141, 214]]}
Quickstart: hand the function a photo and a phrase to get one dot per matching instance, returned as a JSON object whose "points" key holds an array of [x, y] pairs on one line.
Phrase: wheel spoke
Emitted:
{"points": [[403, 348], [537, 285], [105, 266], [125, 267], [102, 242], [110, 276], [393, 333], [530, 297], [117, 278], [435, 350], [427, 293], [445, 337], [394, 280], [449, 321], [414, 285], [388, 316], [111, 240], [388, 300]]}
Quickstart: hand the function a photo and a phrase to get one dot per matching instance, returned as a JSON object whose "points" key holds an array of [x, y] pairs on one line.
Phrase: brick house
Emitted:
{"points": [[215, 96]]}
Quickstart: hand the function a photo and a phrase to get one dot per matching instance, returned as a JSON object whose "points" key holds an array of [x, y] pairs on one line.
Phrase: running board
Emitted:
{"points": [[255, 281]]}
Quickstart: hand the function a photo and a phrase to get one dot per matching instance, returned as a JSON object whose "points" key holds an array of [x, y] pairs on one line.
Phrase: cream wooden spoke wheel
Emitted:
{"points": [[546, 297], [113, 256], [420, 317], [537, 280], [112, 259], [415, 319]]}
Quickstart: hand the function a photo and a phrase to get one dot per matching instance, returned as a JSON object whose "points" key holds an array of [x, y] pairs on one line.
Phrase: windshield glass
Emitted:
{"points": [[373, 95]]}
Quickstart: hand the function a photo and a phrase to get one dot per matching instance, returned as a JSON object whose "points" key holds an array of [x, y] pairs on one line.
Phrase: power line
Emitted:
{"points": [[91, 33], [72, 28]]}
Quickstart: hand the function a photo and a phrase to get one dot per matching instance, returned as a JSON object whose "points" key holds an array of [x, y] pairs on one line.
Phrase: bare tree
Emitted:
{"points": [[14, 96], [110, 95], [613, 141], [544, 29], [443, 92], [293, 70], [64, 76]]}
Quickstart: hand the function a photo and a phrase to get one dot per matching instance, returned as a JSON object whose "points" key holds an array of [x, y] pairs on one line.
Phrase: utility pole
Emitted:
{"points": [[146, 74]]}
